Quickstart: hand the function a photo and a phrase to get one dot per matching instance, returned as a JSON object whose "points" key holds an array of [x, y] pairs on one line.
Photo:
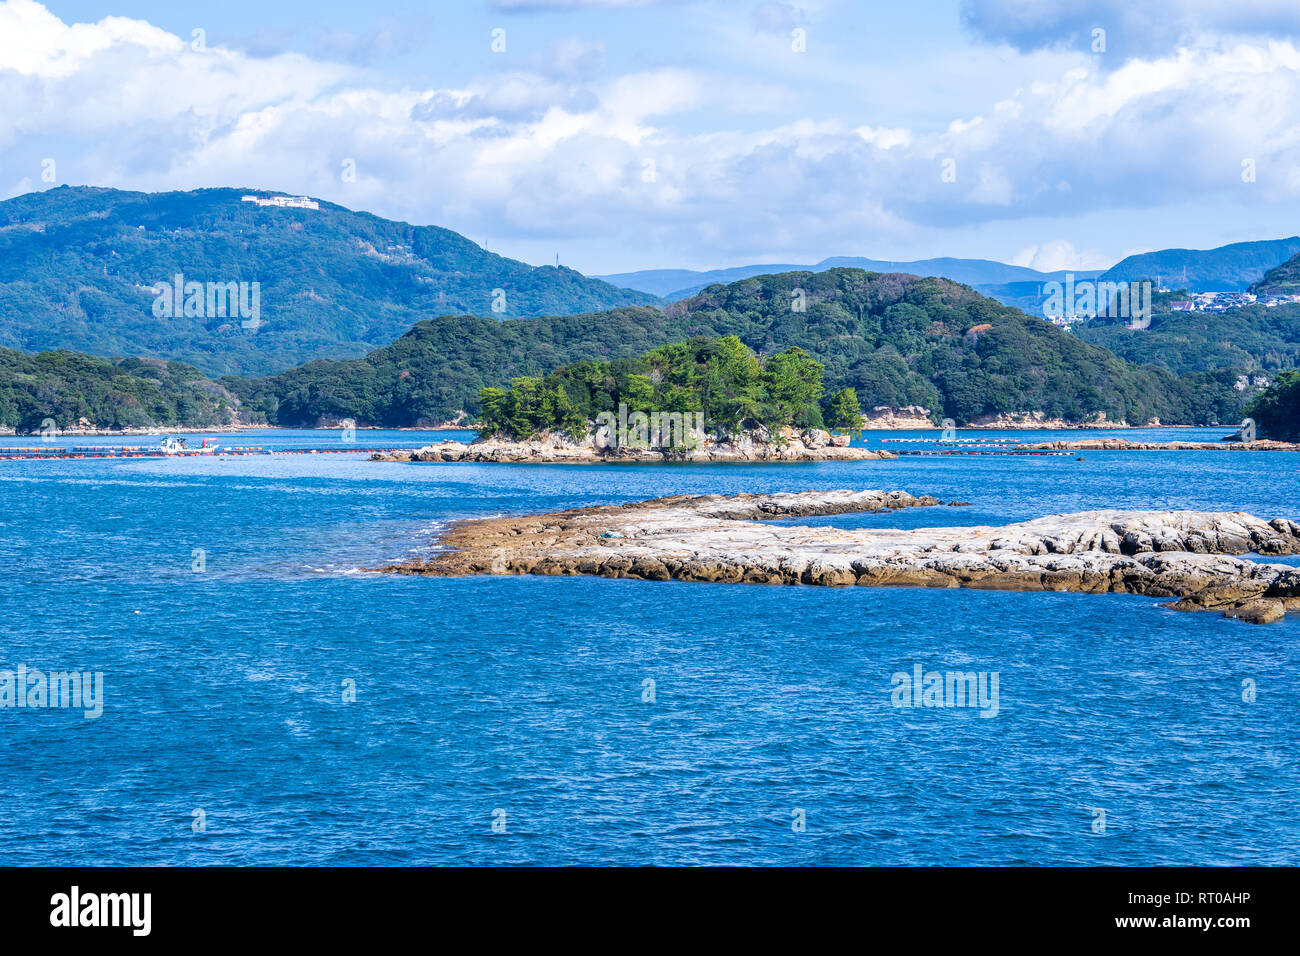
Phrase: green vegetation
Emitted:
{"points": [[438, 368], [1251, 339], [66, 387], [1280, 280], [404, 316], [897, 340], [720, 378], [844, 413], [529, 406], [1277, 410], [78, 266]]}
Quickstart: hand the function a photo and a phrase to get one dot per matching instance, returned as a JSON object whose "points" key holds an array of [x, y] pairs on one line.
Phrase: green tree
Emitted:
{"points": [[495, 416], [843, 413], [793, 383]]}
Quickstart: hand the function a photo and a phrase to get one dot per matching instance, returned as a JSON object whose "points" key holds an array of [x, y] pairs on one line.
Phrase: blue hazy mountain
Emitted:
{"points": [[1007, 283], [1231, 268], [1228, 268]]}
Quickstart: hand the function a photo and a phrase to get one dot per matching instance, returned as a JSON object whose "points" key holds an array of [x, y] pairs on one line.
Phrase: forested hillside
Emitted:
{"points": [[79, 266], [1277, 411], [65, 387], [1254, 338], [1280, 280], [898, 340]]}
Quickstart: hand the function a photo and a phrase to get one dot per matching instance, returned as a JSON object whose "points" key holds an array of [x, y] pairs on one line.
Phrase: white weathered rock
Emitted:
{"points": [[1175, 554]]}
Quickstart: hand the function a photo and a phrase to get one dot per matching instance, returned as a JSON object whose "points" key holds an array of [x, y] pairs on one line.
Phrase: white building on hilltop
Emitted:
{"points": [[284, 202]]}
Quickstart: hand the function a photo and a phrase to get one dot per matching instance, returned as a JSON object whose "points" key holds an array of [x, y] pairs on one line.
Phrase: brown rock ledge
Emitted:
{"points": [[1168, 554]]}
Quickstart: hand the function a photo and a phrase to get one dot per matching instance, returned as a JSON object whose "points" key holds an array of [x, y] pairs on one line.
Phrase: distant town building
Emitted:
{"points": [[1223, 301], [1276, 300], [284, 202]]}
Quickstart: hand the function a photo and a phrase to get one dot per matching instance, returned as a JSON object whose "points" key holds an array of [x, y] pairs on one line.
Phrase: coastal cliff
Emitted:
{"points": [[1183, 555], [886, 418]]}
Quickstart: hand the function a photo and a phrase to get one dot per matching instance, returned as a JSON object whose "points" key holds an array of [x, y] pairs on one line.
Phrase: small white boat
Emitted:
{"points": [[171, 445]]}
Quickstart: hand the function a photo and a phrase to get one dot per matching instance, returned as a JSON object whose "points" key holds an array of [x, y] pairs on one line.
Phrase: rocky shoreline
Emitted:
{"points": [[919, 418], [1182, 555], [784, 445], [1015, 421]]}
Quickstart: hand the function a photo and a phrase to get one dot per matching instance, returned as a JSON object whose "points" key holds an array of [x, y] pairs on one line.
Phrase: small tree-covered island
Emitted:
{"points": [[706, 399], [1277, 410]]}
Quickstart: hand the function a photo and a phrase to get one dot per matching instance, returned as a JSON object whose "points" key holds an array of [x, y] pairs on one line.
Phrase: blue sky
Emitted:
{"points": [[625, 135]]}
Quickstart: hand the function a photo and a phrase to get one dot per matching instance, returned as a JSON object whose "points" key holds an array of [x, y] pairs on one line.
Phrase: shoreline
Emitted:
{"points": [[1187, 556]]}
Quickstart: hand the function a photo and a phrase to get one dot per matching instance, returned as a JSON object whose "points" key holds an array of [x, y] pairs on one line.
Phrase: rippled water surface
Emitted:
{"points": [[520, 700]]}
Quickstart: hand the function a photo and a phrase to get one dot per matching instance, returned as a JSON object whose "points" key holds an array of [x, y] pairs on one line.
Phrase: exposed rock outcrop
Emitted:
{"points": [[909, 417], [1019, 420], [1184, 555]]}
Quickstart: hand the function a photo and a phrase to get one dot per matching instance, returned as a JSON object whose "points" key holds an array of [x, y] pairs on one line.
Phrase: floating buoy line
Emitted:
{"points": [[78, 452]]}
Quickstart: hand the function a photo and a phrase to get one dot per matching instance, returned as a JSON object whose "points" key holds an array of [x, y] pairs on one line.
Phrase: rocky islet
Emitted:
{"points": [[1186, 556]]}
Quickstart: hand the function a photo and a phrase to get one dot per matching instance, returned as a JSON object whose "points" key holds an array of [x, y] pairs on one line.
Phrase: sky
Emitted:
{"points": [[622, 135]]}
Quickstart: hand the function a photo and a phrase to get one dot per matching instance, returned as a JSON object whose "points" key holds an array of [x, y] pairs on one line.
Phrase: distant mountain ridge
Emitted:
{"points": [[1231, 268], [676, 284], [78, 266]]}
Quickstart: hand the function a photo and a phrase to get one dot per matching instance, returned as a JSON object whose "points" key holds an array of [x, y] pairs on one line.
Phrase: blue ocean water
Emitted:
{"points": [[520, 701]]}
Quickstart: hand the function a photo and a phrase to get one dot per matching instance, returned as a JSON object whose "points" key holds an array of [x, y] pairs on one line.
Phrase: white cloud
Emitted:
{"points": [[885, 138], [563, 152], [1059, 255], [34, 42]]}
